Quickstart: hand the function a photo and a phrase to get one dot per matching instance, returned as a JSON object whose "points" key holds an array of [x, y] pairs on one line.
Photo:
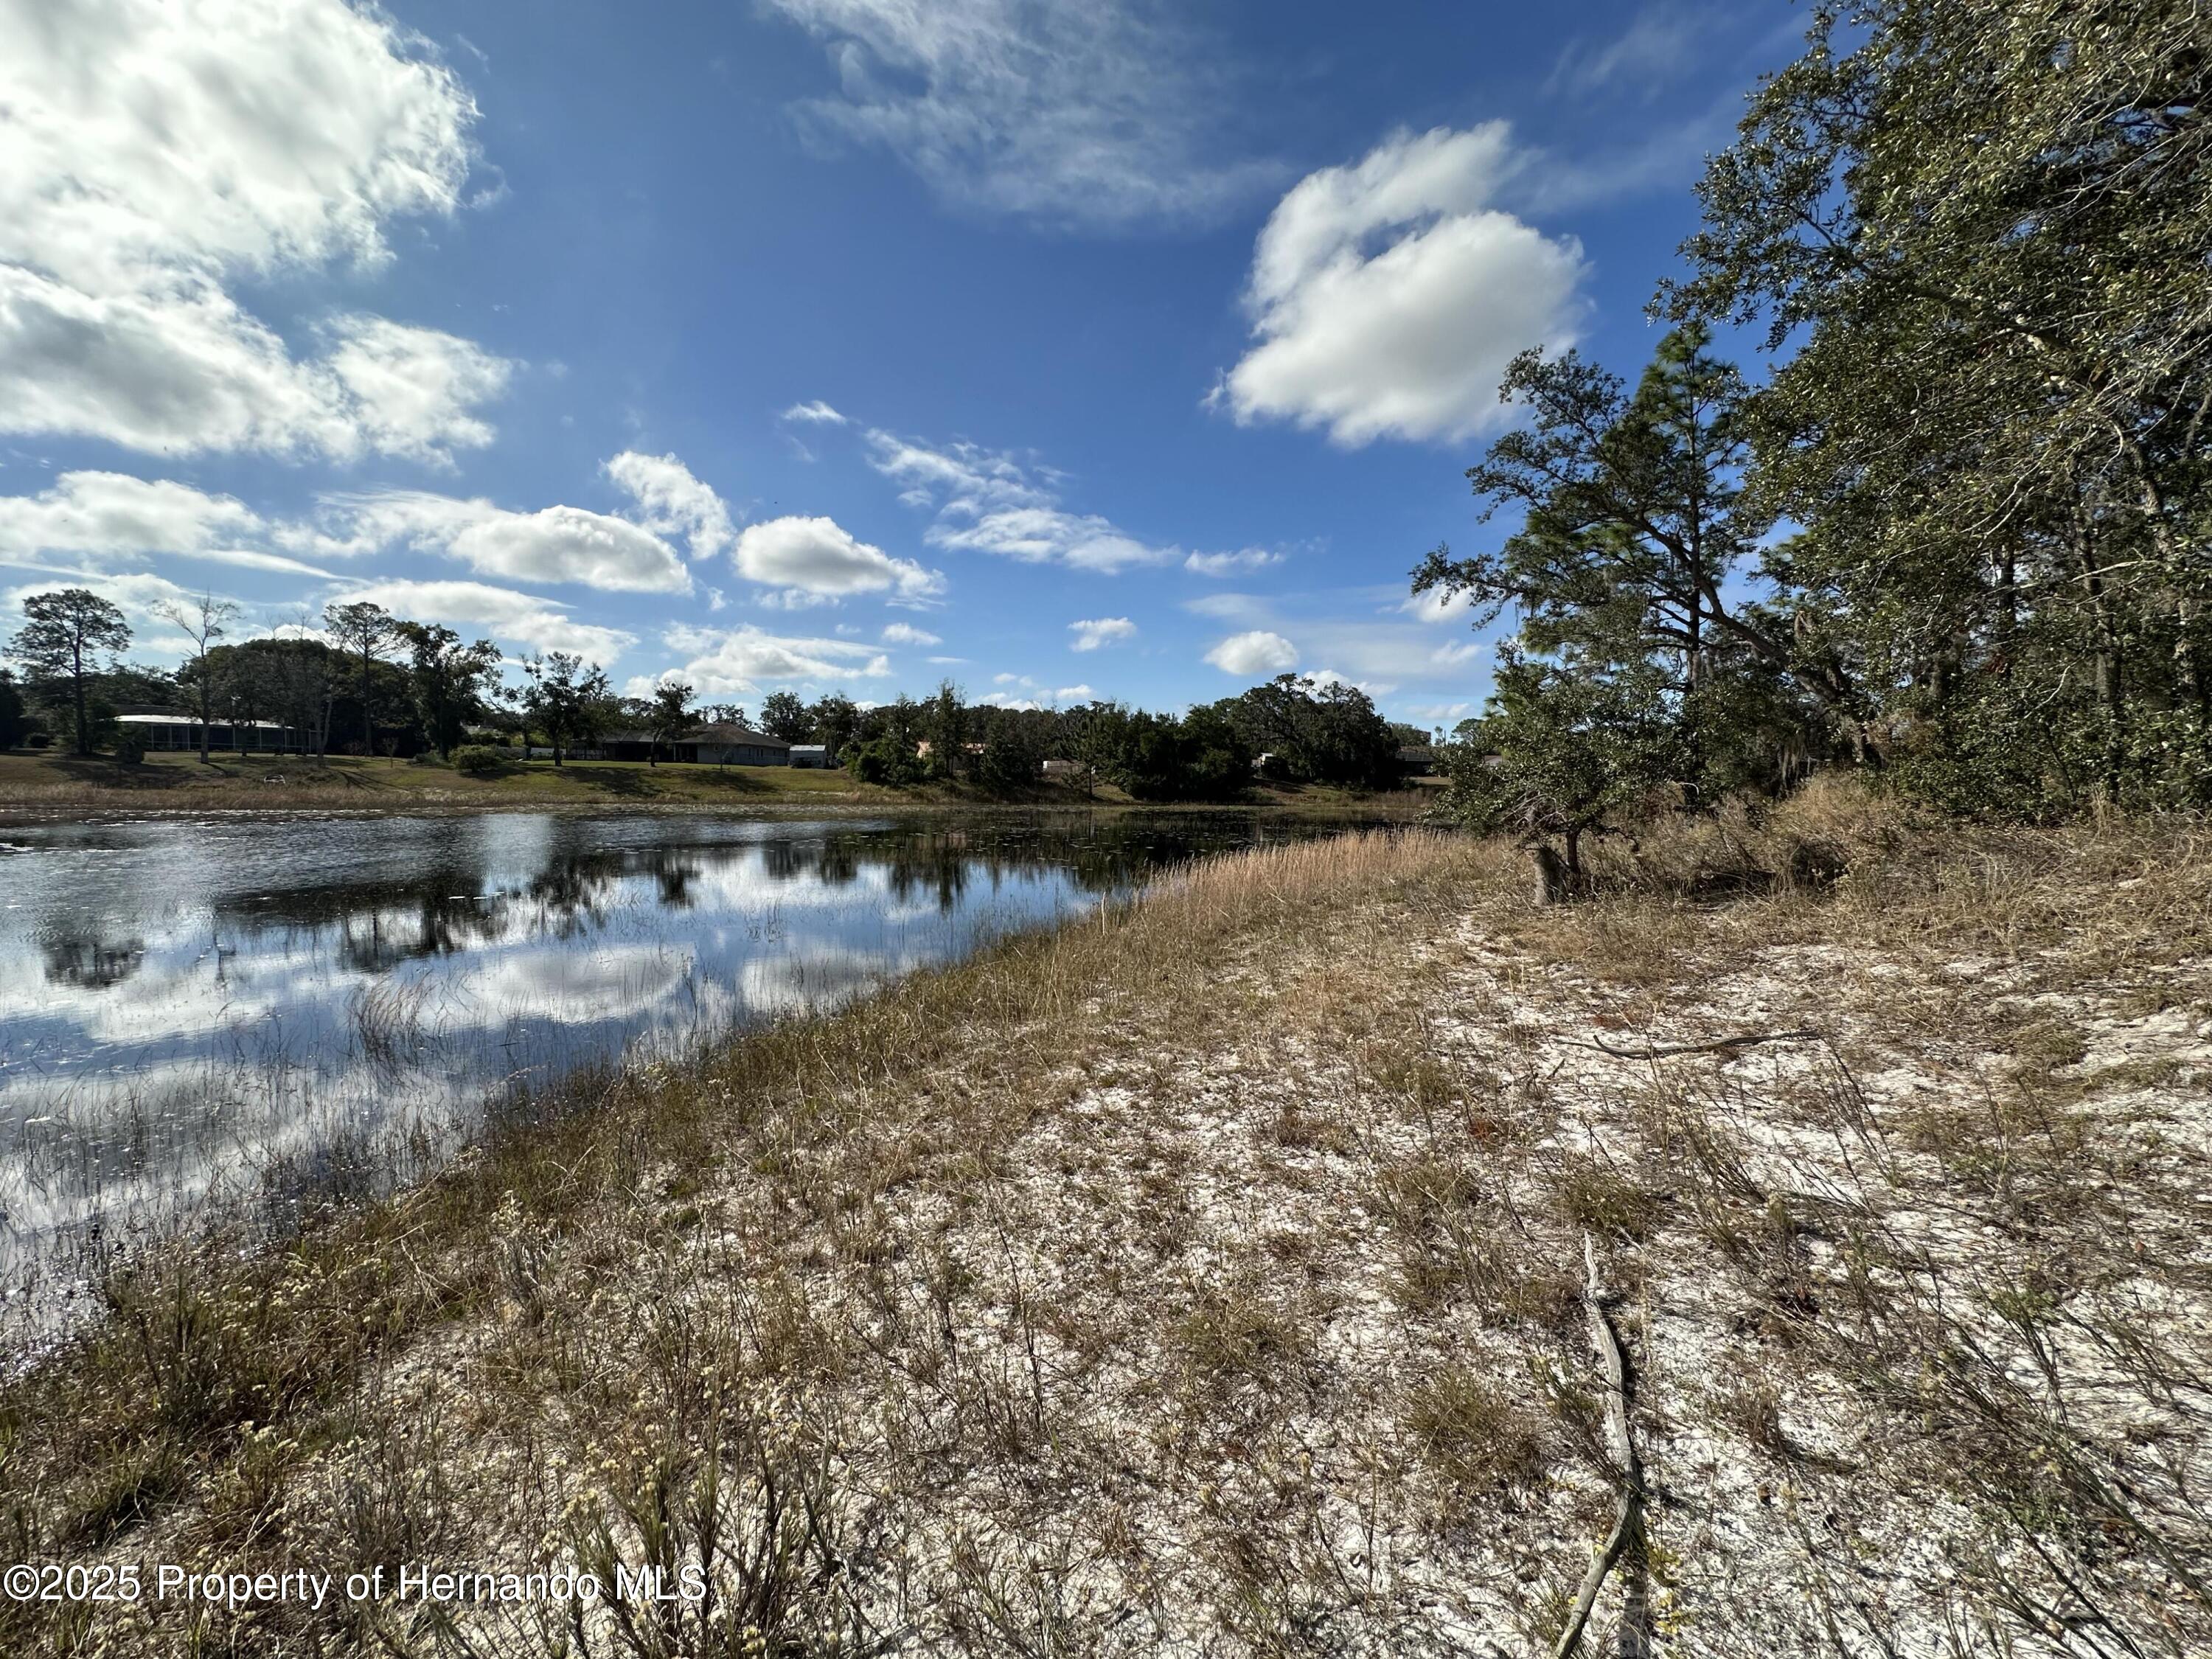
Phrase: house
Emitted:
{"points": [[722, 744], [814, 755], [182, 731]]}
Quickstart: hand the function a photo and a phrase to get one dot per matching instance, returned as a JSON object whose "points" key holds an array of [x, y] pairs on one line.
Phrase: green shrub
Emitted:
{"points": [[477, 760]]}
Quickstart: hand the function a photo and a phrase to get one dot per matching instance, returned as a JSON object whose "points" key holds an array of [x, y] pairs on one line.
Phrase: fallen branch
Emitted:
{"points": [[1626, 1540], [1742, 1040]]}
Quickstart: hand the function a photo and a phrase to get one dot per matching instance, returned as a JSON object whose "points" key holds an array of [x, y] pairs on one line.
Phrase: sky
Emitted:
{"points": [[1061, 348]]}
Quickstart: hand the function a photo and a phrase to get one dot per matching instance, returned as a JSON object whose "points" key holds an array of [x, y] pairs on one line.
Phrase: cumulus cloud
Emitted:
{"points": [[1104, 112], [986, 502], [103, 517], [1102, 630], [820, 559], [738, 661], [1387, 296], [1253, 653], [1437, 605], [159, 149], [671, 502], [512, 618], [902, 634], [109, 514], [1231, 564], [553, 544]]}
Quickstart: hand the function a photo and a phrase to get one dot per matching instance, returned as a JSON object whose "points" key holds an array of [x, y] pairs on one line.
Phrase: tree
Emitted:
{"points": [[202, 620], [1316, 731], [567, 697], [446, 679], [70, 634], [835, 720], [1562, 750], [944, 718], [1976, 231], [1633, 525], [365, 630], [672, 716], [782, 715], [13, 726]]}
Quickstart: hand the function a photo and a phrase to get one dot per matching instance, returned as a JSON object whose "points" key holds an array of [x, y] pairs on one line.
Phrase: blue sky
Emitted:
{"points": [[1063, 349]]}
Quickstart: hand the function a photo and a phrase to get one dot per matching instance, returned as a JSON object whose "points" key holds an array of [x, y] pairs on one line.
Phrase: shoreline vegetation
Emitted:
{"points": [[61, 783], [1332, 1249]]}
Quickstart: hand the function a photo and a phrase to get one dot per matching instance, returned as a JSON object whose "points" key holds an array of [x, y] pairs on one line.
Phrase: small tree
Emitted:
{"points": [[446, 679], [671, 715], [364, 631], [70, 634], [202, 620], [1563, 751]]}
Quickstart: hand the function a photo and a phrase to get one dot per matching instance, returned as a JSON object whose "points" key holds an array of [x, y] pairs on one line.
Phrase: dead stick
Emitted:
{"points": [[1743, 1040], [1628, 1517]]}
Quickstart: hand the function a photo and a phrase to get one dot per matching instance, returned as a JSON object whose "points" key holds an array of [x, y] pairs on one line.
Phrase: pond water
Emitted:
{"points": [[194, 1011]]}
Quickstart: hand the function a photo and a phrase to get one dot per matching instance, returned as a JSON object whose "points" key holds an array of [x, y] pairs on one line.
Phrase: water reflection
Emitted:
{"points": [[186, 1008]]}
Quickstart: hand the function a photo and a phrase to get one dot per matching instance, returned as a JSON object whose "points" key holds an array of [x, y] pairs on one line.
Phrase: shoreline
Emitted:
{"points": [[1210, 1272], [37, 789]]}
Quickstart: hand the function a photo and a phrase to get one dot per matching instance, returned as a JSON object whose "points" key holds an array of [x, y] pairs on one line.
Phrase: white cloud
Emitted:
{"points": [[110, 514], [1073, 694], [1437, 605], [1094, 111], [1257, 652], [814, 412], [670, 501], [513, 618], [820, 558], [1231, 564], [738, 661], [986, 502], [156, 149], [1409, 339], [1452, 655], [1102, 630], [553, 544], [1657, 46], [902, 634]]}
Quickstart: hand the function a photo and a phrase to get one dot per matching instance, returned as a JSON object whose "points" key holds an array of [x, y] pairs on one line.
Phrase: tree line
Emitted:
{"points": [[1957, 535], [367, 682]]}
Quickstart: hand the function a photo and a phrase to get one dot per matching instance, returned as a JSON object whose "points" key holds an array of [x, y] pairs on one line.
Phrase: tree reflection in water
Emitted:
{"points": [[308, 988]]}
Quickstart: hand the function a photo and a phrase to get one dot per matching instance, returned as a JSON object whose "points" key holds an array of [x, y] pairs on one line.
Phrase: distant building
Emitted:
{"points": [[182, 731], [724, 743], [1417, 760], [814, 755]]}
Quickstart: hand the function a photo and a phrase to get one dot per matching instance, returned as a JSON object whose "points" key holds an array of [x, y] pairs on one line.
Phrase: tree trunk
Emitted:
{"points": [[1552, 886]]}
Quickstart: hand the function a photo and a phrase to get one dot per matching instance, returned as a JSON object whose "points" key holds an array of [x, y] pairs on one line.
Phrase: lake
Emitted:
{"points": [[197, 1013]]}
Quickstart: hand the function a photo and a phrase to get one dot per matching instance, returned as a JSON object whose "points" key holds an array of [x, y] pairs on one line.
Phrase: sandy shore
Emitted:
{"points": [[1215, 1277]]}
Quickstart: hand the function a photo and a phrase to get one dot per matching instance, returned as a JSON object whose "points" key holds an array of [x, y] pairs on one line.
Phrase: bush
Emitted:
{"points": [[477, 760]]}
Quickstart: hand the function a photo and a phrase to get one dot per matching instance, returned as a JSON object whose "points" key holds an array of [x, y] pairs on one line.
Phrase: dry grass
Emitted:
{"points": [[1203, 1278]]}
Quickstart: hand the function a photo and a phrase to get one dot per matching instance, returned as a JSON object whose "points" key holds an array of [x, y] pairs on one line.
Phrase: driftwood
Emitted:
{"points": [[1741, 1039], [1626, 1545]]}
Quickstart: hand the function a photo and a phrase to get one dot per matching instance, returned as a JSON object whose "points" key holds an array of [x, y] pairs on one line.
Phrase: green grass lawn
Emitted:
{"points": [[273, 780], [166, 783]]}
